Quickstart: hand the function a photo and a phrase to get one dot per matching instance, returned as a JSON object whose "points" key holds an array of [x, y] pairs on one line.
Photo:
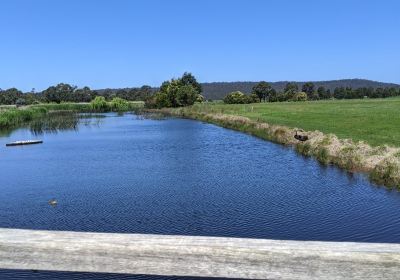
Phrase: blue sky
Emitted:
{"points": [[122, 43]]}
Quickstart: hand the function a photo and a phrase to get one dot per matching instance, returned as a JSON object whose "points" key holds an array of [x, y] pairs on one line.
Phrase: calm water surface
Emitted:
{"points": [[174, 176]]}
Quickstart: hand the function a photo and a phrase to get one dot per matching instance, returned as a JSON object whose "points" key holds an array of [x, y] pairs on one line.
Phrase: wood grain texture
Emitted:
{"points": [[196, 255]]}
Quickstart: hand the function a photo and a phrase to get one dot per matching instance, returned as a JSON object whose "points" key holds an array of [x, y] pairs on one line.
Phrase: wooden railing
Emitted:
{"points": [[196, 255]]}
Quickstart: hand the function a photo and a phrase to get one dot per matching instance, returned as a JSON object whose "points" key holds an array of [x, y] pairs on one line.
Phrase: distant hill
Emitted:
{"points": [[218, 90]]}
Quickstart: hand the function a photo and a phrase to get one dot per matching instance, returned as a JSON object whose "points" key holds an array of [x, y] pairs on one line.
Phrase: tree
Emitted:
{"points": [[308, 88], [82, 95], [273, 96], [290, 90], [162, 100], [175, 92], [108, 94], [186, 95], [339, 93], [59, 93], [262, 90], [188, 79], [10, 96], [322, 93]]}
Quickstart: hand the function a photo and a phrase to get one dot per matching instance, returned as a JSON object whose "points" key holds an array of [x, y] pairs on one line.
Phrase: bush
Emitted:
{"points": [[200, 98], [20, 102], [119, 105], [300, 96], [237, 97], [99, 104], [254, 98]]}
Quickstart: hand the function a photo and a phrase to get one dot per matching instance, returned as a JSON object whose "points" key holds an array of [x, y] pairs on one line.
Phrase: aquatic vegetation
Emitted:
{"points": [[13, 117], [387, 172], [119, 105], [99, 104]]}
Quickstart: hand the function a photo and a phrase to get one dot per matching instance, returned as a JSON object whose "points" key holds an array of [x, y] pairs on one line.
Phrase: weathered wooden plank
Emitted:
{"points": [[196, 255]]}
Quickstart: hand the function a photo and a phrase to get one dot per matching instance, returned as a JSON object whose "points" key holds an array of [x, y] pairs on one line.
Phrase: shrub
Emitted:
{"points": [[254, 98], [300, 96], [200, 98], [237, 97], [20, 102], [99, 104]]}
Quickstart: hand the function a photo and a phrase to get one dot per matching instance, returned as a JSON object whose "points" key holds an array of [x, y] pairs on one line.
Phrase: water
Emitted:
{"points": [[174, 176]]}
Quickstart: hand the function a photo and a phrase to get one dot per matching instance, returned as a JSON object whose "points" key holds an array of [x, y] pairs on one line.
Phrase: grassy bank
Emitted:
{"points": [[375, 121], [382, 163]]}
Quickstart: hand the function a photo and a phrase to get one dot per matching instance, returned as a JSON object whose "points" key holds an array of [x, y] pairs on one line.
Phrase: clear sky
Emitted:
{"points": [[122, 43]]}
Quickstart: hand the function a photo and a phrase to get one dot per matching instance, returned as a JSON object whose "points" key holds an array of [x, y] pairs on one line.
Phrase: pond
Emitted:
{"points": [[177, 176]]}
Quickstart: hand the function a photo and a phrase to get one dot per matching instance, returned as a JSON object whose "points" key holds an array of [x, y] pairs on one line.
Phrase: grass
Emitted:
{"points": [[14, 117], [86, 107], [11, 117], [375, 121]]}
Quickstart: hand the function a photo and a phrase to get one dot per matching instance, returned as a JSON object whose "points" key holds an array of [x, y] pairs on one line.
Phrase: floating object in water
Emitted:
{"points": [[301, 137], [53, 202], [27, 142]]}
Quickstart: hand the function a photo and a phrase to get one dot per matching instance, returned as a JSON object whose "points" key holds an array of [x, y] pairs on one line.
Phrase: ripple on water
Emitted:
{"points": [[184, 177]]}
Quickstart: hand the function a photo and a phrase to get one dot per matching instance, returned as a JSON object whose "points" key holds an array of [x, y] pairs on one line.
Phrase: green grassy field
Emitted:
{"points": [[375, 121]]}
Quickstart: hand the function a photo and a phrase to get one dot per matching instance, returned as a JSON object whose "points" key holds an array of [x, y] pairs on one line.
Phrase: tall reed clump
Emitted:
{"points": [[75, 107], [381, 163], [13, 117], [99, 104], [119, 105]]}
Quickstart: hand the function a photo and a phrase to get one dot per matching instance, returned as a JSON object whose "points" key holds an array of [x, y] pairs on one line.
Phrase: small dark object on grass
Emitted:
{"points": [[301, 137]]}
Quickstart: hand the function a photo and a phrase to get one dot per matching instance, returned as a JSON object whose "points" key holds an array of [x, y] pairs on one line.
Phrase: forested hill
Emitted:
{"points": [[218, 90]]}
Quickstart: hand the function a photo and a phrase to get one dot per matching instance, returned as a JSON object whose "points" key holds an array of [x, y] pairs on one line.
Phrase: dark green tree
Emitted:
{"points": [[262, 90], [290, 90], [309, 89], [188, 79], [186, 95], [322, 93], [59, 93], [10, 96]]}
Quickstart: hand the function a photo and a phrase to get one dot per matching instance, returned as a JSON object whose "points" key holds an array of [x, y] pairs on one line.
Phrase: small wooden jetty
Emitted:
{"points": [[26, 142], [196, 256]]}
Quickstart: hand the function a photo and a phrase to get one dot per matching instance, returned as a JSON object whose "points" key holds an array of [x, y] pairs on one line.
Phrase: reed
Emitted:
{"points": [[14, 117]]}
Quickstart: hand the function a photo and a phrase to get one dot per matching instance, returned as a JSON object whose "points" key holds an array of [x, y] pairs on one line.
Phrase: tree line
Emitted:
{"points": [[67, 93], [263, 92], [186, 91]]}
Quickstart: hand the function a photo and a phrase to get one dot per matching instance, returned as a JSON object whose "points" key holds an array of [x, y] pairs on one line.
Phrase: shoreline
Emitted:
{"points": [[381, 163]]}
